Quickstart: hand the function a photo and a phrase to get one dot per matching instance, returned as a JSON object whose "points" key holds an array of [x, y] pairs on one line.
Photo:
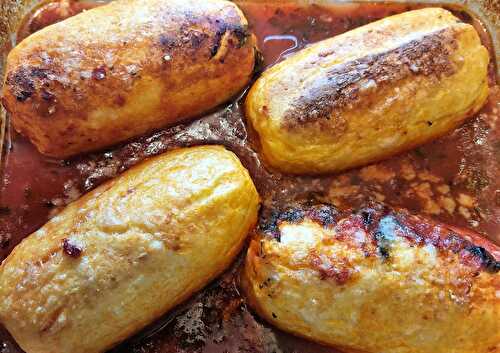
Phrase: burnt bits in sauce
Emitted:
{"points": [[453, 179]]}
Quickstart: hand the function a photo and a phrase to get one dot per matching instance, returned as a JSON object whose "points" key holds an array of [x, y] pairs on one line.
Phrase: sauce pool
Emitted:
{"points": [[453, 179]]}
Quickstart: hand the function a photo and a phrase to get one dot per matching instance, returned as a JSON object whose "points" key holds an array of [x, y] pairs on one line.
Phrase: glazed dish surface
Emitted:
{"points": [[249, 176]]}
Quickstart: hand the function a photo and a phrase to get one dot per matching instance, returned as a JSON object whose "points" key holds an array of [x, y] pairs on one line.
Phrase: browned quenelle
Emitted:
{"points": [[376, 280], [369, 93], [118, 258], [125, 68]]}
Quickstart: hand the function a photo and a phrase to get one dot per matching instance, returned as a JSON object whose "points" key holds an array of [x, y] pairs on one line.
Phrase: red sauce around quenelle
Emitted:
{"points": [[454, 179]]}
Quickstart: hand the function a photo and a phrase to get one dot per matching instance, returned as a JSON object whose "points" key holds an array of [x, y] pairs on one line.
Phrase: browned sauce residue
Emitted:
{"points": [[454, 179]]}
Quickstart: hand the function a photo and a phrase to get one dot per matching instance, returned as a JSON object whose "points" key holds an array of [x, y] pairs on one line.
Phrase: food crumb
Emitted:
{"points": [[448, 204], [71, 249], [443, 189], [407, 171], [464, 212], [426, 176], [377, 173], [466, 200]]}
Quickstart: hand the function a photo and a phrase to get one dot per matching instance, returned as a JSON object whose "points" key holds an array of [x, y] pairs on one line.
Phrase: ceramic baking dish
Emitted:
{"points": [[454, 179]]}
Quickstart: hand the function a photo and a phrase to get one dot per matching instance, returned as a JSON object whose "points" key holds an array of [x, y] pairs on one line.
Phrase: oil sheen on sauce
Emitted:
{"points": [[454, 179]]}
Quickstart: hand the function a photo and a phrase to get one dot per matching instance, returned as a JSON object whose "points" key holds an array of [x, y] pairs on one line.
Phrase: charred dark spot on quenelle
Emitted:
{"points": [[240, 32], [167, 42], [371, 214], [270, 225], [197, 38], [71, 249], [46, 95], [25, 81], [292, 215], [186, 37], [39, 72], [367, 218], [385, 226], [24, 93], [418, 231], [21, 84], [326, 215], [99, 73], [345, 83], [217, 42], [390, 228], [323, 214], [383, 245], [487, 260], [265, 284]]}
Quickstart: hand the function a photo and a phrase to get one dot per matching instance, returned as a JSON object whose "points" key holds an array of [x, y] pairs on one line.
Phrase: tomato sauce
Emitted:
{"points": [[453, 179]]}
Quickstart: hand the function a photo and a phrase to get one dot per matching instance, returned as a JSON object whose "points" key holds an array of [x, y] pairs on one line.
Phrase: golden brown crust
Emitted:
{"points": [[375, 280], [348, 84], [369, 93], [127, 252], [123, 69]]}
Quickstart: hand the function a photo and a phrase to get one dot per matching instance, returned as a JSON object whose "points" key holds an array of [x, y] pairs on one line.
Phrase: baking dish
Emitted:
{"points": [[216, 319]]}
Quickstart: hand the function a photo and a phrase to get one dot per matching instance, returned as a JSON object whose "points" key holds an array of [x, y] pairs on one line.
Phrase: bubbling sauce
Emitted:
{"points": [[453, 179]]}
